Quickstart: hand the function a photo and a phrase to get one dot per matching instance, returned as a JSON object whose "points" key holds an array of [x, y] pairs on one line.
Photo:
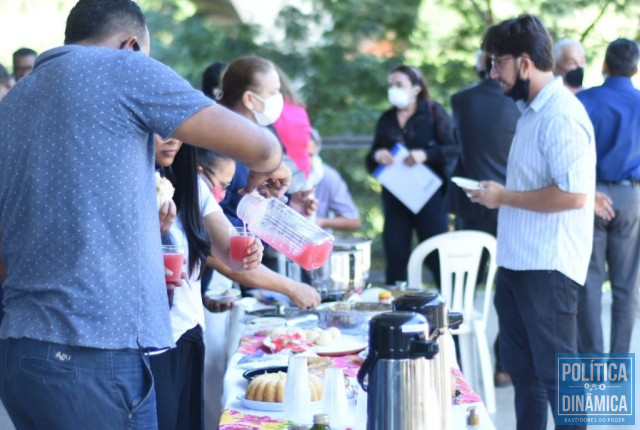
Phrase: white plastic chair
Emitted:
{"points": [[459, 255]]}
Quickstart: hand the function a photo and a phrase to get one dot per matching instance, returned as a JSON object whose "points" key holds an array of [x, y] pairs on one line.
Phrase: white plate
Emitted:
{"points": [[266, 406], [364, 353], [232, 296], [344, 345], [466, 183]]}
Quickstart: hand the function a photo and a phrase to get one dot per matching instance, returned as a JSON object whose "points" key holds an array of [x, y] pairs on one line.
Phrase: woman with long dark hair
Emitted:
{"points": [[203, 230]]}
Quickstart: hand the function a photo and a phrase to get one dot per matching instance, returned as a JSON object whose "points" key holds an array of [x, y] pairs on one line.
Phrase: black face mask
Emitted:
{"points": [[574, 77], [520, 90]]}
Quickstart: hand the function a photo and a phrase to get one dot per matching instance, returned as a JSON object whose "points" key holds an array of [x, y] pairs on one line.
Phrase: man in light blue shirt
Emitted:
{"points": [[614, 110], [545, 216], [85, 294]]}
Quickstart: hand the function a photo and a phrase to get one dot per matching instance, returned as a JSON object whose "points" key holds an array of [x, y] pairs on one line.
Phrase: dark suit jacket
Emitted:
{"points": [[484, 123]]}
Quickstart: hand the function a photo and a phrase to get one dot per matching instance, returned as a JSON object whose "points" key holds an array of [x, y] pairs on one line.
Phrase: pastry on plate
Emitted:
{"points": [[270, 388]]}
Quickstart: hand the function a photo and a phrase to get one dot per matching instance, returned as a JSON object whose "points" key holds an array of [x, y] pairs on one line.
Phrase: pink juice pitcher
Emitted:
{"points": [[295, 236]]}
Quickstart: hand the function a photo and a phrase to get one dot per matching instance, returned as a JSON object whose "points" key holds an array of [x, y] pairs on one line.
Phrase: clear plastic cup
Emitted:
{"points": [[173, 260], [240, 240], [297, 393], [359, 421], [334, 398]]}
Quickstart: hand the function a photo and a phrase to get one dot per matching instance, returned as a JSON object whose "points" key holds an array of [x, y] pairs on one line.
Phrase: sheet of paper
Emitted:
{"points": [[412, 185]]}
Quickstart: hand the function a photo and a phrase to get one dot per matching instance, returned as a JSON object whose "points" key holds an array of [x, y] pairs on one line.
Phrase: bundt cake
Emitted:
{"points": [[270, 388]]}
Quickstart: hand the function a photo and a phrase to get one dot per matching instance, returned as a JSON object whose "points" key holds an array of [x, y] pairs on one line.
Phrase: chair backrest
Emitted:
{"points": [[459, 254]]}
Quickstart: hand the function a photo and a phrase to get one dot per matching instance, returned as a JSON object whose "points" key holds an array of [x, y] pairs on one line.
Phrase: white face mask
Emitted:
{"points": [[317, 170], [272, 109], [399, 97]]}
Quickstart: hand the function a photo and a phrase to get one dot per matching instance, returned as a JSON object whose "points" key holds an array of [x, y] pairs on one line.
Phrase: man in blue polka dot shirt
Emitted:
{"points": [[85, 295]]}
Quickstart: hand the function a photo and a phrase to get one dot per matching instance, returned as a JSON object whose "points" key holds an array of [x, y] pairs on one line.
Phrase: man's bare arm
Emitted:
{"points": [[548, 199], [220, 129]]}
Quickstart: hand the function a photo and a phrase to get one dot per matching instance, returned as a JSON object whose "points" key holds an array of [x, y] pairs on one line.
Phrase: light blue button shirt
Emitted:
{"points": [[553, 145]]}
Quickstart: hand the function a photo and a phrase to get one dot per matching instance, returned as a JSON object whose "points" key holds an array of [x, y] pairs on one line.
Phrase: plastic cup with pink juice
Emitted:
{"points": [[240, 239], [173, 260]]}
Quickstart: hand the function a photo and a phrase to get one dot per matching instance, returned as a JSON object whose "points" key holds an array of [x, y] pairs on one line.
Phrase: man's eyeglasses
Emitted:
{"points": [[496, 62]]}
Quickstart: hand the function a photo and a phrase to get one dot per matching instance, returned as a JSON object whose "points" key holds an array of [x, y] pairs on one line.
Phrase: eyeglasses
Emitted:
{"points": [[496, 62], [257, 96], [209, 175], [263, 99]]}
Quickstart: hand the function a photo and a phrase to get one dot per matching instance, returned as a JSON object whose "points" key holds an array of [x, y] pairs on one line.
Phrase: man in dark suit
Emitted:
{"points": [[484, 123]]}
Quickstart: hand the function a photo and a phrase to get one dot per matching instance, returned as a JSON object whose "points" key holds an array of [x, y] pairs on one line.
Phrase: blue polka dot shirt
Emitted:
{"points": [[78, 215]]}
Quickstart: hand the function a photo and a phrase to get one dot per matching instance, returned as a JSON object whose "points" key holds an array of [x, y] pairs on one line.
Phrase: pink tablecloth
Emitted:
{"points": [[348, 363], [234, 420], [250, 344]]}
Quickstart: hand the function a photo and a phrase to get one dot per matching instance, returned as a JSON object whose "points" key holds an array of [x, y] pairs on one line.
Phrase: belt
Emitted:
{"points": [[624, 182]]}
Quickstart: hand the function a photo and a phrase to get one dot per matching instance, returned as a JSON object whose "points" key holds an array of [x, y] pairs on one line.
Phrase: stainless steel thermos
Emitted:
{"points": [[433, 307], [401, 384]]}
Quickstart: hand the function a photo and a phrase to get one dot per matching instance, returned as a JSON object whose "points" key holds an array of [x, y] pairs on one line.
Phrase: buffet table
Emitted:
{"points": [[237, 417]]}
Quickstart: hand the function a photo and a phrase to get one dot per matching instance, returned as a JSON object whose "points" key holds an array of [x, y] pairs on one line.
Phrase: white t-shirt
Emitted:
{"points": [[187, 310]]}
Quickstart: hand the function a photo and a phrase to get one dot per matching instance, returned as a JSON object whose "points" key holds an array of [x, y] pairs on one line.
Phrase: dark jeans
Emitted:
{"points": [[179, 378], [616, 243], [49, 386], [399, 225], [537, 319]]}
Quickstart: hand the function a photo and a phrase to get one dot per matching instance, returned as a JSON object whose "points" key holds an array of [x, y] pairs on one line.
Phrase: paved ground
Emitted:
{"points": [[504, 418]]}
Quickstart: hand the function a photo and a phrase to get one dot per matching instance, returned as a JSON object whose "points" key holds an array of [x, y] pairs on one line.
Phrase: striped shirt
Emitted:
{"points": [[553, 145]]}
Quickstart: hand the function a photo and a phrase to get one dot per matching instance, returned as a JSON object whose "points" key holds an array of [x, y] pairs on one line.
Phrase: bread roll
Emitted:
{"points": [[317, 365], [311, 335], [164, 190], [324, 339], [334, 332]]}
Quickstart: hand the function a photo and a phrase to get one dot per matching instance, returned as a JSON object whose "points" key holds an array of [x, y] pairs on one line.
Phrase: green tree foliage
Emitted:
{"points": [[449, 32], [329, 50], [344, 88]]}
